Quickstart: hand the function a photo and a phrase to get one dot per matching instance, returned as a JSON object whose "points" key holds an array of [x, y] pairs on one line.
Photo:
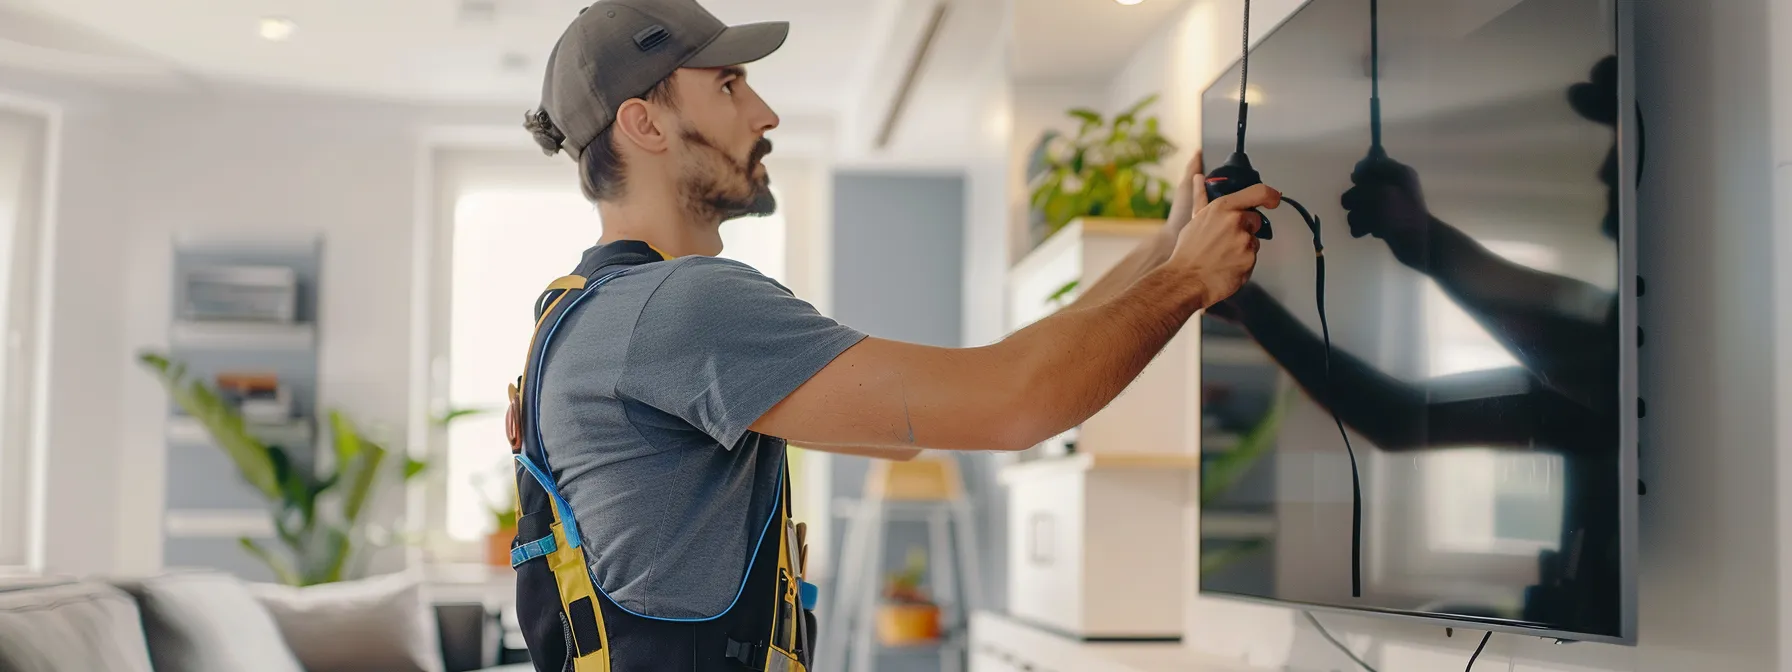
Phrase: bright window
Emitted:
{"points": [[513, 230], [1497, 501], [509, 244], [23, 157]]}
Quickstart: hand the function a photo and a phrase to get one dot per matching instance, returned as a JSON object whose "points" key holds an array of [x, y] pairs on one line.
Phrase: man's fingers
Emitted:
{"points": [[1194, 184], [1255, 196], [1251, 222], [1195, 168]]}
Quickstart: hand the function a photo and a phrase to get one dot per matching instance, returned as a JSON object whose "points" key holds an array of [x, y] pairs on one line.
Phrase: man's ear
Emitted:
{"points": [[637, 124]]}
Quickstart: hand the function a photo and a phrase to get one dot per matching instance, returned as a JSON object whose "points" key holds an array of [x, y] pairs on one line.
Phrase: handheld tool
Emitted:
{"points": [[1236, 174]]}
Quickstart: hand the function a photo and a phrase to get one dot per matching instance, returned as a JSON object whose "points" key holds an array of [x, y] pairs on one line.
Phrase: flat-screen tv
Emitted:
{"points": [[1478, 285]]}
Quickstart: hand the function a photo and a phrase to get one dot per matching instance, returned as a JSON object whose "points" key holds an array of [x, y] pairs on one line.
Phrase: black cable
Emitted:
{"points": [[1356, 481], [1237, 174], [1244, 75], [1375, 74], [1328, 637], [1477, 654]]}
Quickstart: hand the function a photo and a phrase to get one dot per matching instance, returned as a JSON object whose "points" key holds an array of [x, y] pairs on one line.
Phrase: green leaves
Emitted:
{"points": [[219, 419], [458, 413], [282, 571], [1063, 291], [318, 539], [1107, 169]]}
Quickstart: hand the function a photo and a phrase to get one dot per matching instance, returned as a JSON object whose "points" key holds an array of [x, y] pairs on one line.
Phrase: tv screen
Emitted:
{"points": [[1479, 312]]}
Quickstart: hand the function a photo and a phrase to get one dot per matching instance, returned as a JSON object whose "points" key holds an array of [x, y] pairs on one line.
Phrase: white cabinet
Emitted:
{"points": [[1003, 644], [1098, 544]]}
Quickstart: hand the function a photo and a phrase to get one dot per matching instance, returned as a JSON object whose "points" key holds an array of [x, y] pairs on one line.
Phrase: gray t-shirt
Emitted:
{"points": [[649, 388]]}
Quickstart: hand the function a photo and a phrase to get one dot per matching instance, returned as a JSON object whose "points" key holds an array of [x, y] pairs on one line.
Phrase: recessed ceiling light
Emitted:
{"points": [[277, 29], [1129, 2]]}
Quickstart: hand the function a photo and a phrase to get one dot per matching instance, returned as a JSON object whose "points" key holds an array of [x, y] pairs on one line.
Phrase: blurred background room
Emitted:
{"points": [[267, 267]]}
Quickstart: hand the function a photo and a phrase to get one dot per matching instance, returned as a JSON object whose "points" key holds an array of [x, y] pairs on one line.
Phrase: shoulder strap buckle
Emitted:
{"points": [[748, 654]]}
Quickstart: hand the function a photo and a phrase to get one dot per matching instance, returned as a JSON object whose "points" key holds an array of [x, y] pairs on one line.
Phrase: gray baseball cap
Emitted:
{"points": [[619, 49]]}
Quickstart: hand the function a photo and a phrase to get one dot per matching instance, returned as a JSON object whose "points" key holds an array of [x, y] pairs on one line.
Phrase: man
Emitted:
{"points": [[663, 393]]}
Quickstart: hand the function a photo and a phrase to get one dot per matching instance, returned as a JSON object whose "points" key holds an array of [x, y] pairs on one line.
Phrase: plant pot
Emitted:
{"points": [[908, 624], [497, 547]]}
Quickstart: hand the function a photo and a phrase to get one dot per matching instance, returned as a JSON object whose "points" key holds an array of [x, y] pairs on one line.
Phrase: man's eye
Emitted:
{"points": [[728, 88]]}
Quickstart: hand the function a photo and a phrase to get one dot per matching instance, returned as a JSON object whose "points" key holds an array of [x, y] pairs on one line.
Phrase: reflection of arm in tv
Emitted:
{"points": [[1506, 408], [1543, 319]]}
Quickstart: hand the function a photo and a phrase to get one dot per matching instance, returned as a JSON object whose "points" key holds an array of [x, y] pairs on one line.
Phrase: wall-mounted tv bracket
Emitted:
{"points": [[1236, 175]]}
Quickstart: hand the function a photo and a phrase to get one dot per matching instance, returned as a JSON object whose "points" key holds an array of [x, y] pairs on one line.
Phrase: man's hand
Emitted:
{"points": [[1219, 247], [1190, 196]]}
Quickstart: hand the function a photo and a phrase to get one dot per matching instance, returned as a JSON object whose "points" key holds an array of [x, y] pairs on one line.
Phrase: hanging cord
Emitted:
{"points": [[1331, 395], [1375, 77], [1237, 174], [1244, 77], [1477, 654], [1341, 647]]}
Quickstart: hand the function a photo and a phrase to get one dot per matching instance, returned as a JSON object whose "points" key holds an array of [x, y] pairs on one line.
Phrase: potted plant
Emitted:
{"points": [[908, 616], [317, 516], [1106, 168], [501, 506]]}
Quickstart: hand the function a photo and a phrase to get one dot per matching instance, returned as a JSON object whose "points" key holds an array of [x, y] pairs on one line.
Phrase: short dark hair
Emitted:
{"points": [[600, 167]]}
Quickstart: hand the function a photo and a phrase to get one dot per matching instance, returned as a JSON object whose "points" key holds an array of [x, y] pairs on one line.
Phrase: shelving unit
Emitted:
{"points": [[208, 505]]}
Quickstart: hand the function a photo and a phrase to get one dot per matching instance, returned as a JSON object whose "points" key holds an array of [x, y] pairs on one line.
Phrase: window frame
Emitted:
{"points": [[37, 275], [453, 166]]}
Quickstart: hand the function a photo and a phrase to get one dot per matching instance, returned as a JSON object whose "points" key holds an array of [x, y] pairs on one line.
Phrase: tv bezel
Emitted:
{"points": [[1628, 130]]}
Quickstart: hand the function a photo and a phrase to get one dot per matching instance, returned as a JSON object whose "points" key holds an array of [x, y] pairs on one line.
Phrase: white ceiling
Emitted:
{"points": [[1082, 40], [436, 51]]}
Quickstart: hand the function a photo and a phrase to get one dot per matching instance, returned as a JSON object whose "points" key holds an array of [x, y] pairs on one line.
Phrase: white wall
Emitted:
{"points": [[1711, 539]]}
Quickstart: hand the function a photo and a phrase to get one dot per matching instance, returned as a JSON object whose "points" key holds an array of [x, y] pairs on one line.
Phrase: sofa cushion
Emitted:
{"points": [[53, 626], [379, 624], [205, 621]]}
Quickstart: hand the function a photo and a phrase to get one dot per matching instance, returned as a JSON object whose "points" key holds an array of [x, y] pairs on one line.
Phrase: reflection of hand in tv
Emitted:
{"points": [[1388, 203]]}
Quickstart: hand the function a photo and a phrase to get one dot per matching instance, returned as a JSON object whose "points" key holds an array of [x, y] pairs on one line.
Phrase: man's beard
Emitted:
{"points": [[734, 192]]}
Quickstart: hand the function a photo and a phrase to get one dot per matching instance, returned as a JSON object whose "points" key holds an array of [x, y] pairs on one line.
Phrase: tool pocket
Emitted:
{"points": [[540, 612], [538, 609], [808, 652]]}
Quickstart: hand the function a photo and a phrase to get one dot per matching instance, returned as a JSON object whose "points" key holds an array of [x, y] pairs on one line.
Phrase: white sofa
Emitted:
{"points": [[202, 621]]}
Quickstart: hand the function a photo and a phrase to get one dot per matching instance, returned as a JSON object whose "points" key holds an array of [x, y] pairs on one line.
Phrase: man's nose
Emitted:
{"points": [[765, 119]]}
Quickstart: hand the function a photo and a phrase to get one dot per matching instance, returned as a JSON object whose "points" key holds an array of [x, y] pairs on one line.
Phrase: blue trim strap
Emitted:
{"points": [[563, 510], [532, 550]]}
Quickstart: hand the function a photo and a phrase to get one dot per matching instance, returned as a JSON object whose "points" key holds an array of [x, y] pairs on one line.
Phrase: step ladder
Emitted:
{"points": [[929, 490]]}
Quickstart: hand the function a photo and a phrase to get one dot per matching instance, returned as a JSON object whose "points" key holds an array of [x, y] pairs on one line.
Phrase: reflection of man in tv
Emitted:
{"points": [[1563, 399]]}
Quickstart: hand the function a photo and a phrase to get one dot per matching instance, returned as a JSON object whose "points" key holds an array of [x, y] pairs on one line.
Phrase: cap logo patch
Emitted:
{"points": [[652, 37]]}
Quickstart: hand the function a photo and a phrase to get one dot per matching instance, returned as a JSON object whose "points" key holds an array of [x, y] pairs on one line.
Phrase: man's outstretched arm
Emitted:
{"points": [[1038, 382]]}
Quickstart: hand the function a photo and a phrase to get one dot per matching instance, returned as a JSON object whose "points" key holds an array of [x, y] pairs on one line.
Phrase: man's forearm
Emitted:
{"points": [[1068, 366], [1144, 258]]}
